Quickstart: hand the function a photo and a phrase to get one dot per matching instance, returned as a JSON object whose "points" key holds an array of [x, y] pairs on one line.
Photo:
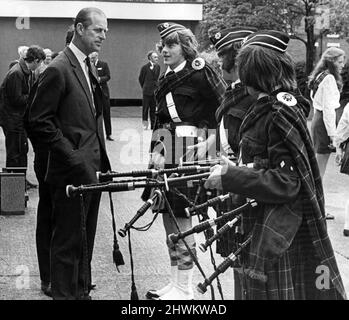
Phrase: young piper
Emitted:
{"points": [[229, 116], [288, 227], [189, 93]]}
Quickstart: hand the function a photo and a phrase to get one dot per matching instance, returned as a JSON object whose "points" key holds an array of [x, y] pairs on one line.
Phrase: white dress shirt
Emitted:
{"points": [[326, 99], [342, 132], [177, 69], [81, 58]]}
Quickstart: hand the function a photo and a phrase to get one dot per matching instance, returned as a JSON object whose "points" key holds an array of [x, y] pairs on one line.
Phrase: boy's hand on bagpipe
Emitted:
{"points": [[201, 148], [214, 181], [158, 161]]}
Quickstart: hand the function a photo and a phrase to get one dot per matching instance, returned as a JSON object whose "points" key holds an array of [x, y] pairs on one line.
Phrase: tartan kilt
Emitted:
{"points": [[174, 148], [228, 242], [292, 277]]}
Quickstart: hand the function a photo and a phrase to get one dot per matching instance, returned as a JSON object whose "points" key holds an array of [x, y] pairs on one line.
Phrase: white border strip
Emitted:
{"points": [[114, 10]]}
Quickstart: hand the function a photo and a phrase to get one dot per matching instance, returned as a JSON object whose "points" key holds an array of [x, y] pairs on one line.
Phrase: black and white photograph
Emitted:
{"points": [[187, 153]]}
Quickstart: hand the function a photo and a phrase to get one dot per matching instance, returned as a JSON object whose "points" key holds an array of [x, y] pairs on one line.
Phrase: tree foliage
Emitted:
{"points": [[283, 15], [339, 17]]}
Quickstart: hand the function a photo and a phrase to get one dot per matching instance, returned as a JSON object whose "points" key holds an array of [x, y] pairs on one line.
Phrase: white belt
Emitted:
{"points": [[224, 139], [172, 108], [186, 131]]}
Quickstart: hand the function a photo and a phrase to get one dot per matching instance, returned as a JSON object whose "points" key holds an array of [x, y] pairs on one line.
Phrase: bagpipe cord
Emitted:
{"points": [[134, 294], [207, 236], [84, 247]]}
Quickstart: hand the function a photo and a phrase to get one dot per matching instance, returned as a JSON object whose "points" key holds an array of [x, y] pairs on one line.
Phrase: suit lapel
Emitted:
{"points": [[80, 75]]}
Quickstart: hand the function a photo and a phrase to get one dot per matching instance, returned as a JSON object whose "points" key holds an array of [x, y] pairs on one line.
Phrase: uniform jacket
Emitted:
{"points": [[194, 98], [288, 225], [148, 79], [62, 115], [232, 111], [103, 73]]}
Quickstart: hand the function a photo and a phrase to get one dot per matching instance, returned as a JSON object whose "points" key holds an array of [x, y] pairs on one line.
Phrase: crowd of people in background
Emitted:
{"points": [[59, 101]]}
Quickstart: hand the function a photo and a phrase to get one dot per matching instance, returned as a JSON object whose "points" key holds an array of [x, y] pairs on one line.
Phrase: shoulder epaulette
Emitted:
{"points": [[287, 99]]}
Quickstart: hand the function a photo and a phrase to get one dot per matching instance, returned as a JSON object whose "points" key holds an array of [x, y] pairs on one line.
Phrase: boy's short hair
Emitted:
{"points": [[35, 52]]}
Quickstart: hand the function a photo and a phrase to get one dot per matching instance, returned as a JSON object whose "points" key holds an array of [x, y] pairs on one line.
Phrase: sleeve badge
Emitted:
{"points": [[287, 99], [198, 63]]}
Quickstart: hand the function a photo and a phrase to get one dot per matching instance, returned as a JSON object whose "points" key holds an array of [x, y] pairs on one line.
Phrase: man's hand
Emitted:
{"points": [[203, 147]]}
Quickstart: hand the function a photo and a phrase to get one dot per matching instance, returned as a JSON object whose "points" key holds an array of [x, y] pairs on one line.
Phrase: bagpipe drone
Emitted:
{"points": [[190, 175]]}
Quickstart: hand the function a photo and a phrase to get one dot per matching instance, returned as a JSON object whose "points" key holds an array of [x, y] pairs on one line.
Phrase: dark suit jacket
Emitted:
{"points": [[148, 79], [14, 92], [62, 116], [104, 75]]}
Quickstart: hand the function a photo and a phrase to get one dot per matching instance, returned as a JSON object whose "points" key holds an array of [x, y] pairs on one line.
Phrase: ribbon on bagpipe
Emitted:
{"points": [[117, 255], [134, 294]]}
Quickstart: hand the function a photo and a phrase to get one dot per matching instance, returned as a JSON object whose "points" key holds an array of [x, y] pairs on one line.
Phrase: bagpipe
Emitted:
{"points": [[161, 181]]}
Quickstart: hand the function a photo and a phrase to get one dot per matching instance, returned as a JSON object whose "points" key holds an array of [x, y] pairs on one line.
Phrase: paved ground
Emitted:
{"points": [[19, 276]]}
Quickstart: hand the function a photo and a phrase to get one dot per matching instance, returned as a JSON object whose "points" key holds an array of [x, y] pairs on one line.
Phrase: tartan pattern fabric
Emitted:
{"points": [[231, 98], [273, 253], [291, 278], [185, 261], [293, 127], [172, 252]]}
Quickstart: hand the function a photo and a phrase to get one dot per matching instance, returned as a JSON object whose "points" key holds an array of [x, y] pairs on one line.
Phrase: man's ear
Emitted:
{"points": [[79, 28]]}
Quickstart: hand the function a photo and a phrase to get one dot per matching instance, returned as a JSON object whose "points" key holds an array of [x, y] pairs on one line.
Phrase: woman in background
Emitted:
{"points": [[342, 135], [325, 83]]}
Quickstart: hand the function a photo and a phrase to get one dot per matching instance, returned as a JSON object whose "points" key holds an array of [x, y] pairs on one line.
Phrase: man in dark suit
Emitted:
{"points": [[148, 79], [14, 92], [103, 78], [66, 114]]}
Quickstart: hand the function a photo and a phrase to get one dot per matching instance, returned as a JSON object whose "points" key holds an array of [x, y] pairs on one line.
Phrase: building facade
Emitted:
{"points": [[132, 33]]}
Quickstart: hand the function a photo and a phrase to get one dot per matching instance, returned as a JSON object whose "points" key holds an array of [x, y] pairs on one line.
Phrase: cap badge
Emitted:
{"points": [[166, 25], [218, 35]]}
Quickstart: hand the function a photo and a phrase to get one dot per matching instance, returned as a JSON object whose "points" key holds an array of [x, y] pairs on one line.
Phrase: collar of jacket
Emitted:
{"points": [[24, 67]]}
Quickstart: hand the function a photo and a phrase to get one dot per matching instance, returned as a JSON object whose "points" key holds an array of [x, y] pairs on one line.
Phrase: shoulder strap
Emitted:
{"points": [[318, 80], [224, 138], [172, 108]]}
